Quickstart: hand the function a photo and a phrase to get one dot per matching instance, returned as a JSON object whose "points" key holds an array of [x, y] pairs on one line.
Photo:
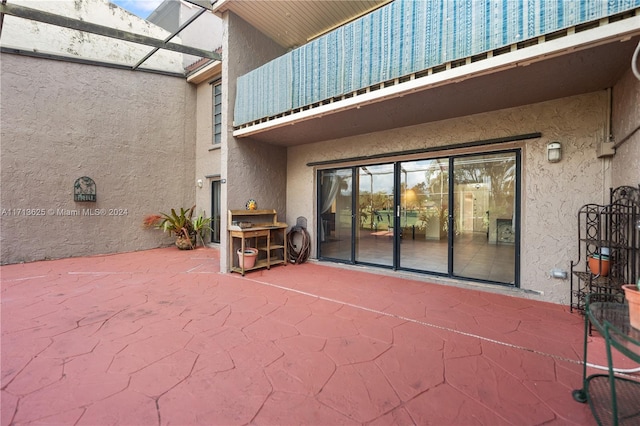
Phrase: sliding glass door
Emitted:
{"points": [[375, 228], [484, 200], [336, 214], [424, 200], [356, 208], [451, 216]]}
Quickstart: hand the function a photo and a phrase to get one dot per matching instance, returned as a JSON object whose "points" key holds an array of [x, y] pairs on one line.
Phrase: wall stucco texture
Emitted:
{"points": [[133, 133]]}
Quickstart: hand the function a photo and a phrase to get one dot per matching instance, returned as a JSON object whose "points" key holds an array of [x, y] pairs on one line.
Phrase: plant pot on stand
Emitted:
{"points": [[599, 265], [247, 260], [632, 294]]}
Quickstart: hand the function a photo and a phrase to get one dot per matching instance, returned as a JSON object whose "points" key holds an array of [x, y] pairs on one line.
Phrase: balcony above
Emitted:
{"points": [[412, 62]]}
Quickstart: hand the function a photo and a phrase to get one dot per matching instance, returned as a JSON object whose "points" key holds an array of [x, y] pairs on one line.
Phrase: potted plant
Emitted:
{"points": [[632, 294], [599, 264], [200, 225], [180, 224]]}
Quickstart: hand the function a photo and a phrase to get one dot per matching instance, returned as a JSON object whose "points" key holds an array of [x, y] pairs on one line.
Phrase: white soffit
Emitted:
{"points": [[621, 30], [293, 23], [207, 72]]}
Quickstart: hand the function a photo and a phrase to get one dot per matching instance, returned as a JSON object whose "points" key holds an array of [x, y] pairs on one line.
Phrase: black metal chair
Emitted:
{"points": [[614, 398]]}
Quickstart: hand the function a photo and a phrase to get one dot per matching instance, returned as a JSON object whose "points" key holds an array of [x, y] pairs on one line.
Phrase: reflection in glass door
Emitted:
{"points": [[336, 214], [484, 217], [375, 230], [424, 197], [451, 216], [215, 211]]}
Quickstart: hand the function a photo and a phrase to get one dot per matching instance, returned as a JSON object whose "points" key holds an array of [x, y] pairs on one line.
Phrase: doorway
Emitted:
{"points": [[455, 216], [215, 211]]}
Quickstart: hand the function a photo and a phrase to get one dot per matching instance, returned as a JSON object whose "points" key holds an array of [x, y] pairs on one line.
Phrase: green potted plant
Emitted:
{"points": [[180, 224], [200, 225]]}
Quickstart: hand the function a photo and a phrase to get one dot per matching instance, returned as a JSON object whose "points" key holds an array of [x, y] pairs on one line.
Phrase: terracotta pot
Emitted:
{"points": [[632, 294], [248, 259], [599, 266]]}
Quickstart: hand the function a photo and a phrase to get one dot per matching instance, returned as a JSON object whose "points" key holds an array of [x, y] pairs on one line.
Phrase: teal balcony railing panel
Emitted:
{"points": [[268, 90], [402, 38]]}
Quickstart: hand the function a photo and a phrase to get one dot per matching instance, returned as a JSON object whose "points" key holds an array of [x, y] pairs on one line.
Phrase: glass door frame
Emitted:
{"points": [[215, 211], [516, 220], [355, 218], [397, 166], [319, 220]]}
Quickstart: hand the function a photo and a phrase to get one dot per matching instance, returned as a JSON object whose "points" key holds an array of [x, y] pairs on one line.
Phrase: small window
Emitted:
{"points": [[217, 113]]}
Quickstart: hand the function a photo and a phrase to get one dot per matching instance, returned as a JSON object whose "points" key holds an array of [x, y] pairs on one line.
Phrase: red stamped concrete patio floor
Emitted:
{"points": [[161, 337]]}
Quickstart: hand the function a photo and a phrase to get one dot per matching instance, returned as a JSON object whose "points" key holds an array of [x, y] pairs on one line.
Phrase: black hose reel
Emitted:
{"points": [[299, 242]]}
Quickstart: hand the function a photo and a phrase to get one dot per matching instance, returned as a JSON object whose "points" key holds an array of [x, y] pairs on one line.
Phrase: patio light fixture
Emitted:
{"points": [[554, 152]]}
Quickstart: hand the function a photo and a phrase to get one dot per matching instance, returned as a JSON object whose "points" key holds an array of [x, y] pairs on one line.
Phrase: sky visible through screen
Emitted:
{"points": [[141, 8]]}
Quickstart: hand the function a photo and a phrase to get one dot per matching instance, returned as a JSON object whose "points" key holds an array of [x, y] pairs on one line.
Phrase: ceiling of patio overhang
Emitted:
{"points": [[292, 23], [572, 73], [142, 48]]}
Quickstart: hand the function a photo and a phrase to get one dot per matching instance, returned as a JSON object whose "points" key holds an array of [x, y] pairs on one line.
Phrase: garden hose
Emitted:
{"points": [[302, 254]]}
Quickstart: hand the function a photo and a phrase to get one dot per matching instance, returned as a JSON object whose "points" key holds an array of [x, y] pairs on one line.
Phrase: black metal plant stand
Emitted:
{"points": [[610, 234]]}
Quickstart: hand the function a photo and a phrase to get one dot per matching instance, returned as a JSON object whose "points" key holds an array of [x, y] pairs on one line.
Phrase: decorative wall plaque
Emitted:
{"points": [[84, 189]]}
